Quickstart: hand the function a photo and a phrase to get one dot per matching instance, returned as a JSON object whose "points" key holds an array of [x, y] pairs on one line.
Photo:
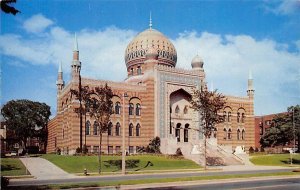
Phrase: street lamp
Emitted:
{"points": [[123, 135]]}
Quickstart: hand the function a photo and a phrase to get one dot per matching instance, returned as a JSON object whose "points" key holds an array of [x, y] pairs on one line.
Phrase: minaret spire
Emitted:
{"points": [[75, 43], [250, 90], [60, 83], [150, 21]]}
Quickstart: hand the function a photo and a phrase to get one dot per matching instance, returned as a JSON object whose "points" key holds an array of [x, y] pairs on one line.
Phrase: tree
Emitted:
{"points": [[8, 9], [26, 119], [84, 96], [101, 109], [154, 146], [285, 129], [208, 104]]}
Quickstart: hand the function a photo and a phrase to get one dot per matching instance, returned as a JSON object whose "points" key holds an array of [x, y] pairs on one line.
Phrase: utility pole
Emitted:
{"points": [[123, 136]]}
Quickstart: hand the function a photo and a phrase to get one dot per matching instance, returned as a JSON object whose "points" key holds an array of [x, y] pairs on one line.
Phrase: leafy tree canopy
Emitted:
{"points": [[26, 119]]}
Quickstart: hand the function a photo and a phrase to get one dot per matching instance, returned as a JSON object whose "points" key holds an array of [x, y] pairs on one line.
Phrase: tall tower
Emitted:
{"points": [[76, 64], [60, 83], [250, 90]]}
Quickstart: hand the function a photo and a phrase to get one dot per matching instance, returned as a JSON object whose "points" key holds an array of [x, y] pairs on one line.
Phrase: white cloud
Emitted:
{"points": [[227, 60], [37, 23], [283, 7]]}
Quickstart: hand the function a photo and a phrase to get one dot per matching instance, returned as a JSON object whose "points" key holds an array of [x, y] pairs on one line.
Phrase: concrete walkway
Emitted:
{"points": [[249, 167], [43, 169]]}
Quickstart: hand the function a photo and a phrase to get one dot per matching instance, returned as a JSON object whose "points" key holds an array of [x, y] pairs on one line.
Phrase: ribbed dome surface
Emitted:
{"points": [[136, 50]]}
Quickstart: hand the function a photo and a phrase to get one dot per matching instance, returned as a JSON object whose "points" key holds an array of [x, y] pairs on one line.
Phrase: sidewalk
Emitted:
{"points": [[43, 169]]}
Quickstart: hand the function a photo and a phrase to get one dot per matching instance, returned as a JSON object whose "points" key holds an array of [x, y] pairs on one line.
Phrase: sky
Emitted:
{"points": [[232, 37]]}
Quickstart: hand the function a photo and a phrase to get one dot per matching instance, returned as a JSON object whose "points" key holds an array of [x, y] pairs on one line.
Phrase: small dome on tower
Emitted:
{"points": [[197, 62]]}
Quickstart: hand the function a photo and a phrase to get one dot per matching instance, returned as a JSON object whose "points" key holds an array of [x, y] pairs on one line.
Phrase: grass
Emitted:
{"points": [[76, 164], [147, 181], [275, 160], [12, 167]]}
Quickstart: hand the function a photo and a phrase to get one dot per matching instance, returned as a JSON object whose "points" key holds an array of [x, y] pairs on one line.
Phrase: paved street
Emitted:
{"points": [[24, 182], [267, 183]]}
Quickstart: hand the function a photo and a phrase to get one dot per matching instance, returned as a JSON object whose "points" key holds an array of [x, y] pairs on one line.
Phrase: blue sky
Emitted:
{"points": [[232, 37]]}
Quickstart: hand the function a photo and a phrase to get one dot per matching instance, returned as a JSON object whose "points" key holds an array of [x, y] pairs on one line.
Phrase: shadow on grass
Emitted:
{"points": [[9, 168], [149, 164], [295, 161]]}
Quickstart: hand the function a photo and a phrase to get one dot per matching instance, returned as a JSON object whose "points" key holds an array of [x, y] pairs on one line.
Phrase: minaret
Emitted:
{"points": [[76, 64], [250, 90], [60, 83]]}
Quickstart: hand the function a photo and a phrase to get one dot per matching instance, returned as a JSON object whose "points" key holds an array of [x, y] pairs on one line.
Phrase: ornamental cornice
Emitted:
{"points": [[239, 99], [165, 68]]}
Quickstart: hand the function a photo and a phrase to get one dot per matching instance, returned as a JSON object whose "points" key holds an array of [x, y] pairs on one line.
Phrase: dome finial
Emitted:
{"points": [[150, 21]]}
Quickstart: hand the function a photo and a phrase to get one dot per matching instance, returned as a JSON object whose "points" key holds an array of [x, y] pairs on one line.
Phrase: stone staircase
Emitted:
{"points": [[216, 156]]}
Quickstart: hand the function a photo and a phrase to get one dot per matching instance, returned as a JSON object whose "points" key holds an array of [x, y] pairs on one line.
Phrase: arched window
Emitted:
{"points": [[95, 128], [130, 130], [224, 115], [186, 133], [215, 133], [243, 117], [139, 70], [229, 117], [177, 110], [229, 134], [243, 134], [110, 128], [138, 130], [238, 117], [185, 111], [131, 71], [177, 132], [225, 133], [138, 109], [118, 129], [118, 108], [131, 109], [238, 134], [87, 127], [171, 127]]}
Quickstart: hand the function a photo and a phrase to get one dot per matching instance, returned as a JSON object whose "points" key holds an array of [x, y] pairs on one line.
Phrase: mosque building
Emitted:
{"points": [[154, 97]]}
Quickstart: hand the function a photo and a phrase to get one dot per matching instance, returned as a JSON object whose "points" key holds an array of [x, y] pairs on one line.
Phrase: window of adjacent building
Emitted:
{"points": [[186, 133], [229, 134], [131, 109], [95, 128], [118, 108], [95, 148], [118, 129], [185, 111], [238, 134], [138, 130], [63, 133], [224, 115], [138, 110], [177, 131], [177, 110], [139, 70], [110, 150], [88, 148], [131, 149], [87, 128], [261, 130], [118, 149], [131, 129], [110, 128], [268, 122]]}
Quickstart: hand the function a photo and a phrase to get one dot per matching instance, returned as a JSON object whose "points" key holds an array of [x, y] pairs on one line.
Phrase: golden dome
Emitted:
{"points": [[137, 49]]}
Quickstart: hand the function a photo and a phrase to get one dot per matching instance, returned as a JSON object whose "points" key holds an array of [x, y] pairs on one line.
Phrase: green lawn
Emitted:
{"points": [[275, 160], [76, 164], [12, 167]]}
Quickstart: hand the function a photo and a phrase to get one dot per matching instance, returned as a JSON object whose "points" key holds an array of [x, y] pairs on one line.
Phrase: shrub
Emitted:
{"points": [[251, 150], [262, 149], [178, 152], [118, 163], [58, 151], [256, 149], [154, 146]]}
